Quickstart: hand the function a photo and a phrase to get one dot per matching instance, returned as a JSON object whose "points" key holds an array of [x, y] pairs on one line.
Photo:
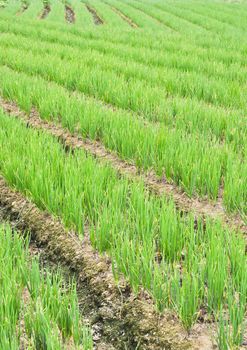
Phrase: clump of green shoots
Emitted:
{"points": [[144, 233], [48, 307]]}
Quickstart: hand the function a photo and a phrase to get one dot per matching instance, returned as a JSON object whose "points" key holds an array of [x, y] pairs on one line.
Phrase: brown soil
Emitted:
{"points": [[118, 317], [46, 11], [199, 207], [69, 14], [124, 17], [47, 261], [96, 18]]}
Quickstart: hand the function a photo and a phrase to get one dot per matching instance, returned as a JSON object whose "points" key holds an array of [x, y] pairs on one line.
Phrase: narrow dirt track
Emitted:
{"points": [[69, 14], [96, 18], [45, 12], [124, 17], [122, 319], [201, 208]]}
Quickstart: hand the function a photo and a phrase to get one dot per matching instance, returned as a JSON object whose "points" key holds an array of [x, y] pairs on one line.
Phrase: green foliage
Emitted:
{"points": [[38, 299], [168, 95], [134, 226]]}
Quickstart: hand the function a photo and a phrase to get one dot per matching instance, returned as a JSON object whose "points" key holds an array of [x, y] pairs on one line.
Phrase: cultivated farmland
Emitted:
{"points": [[123, 174]]}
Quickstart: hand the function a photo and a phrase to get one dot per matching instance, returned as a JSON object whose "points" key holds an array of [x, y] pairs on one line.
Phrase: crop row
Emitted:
{"points": [[142, 20], [205, 30], [56, 13], [168, 150], [167, 81], [170, 99], [209, 46], [108, 16], [223, 14], [204, 61], [206, 23], [173, 22], [197, 164], [34, 8], [180, 113], [37, 310], [187, 22], [224, 52], [147, 238]]}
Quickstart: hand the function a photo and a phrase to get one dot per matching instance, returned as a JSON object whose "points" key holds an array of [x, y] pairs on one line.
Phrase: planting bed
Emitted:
{"points": [[123, 153]]}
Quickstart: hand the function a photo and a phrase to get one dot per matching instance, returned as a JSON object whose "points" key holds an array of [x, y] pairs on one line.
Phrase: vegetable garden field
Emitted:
{"points": [[123, 174]]}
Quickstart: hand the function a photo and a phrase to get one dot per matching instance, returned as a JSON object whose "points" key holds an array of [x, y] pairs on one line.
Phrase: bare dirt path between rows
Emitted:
{"points": [[124, 17], [96, 18], [198, 207], [46, 11], [45, 263], [69, 14], [120, 319], [47, 260]]}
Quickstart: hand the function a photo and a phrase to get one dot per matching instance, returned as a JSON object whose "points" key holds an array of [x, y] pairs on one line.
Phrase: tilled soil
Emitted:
{"points": [[87, 306], [119, 318], [200, 208], [96, 17], [69, 14], [45, 12]]}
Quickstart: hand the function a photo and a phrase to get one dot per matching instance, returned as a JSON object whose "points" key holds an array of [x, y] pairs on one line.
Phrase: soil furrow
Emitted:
{"points": [[148, 120], [201, 208], [124, 320], [124, 17], [69, 14], [152, 17], [46, 260], [45, 12], [96, 18]]}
